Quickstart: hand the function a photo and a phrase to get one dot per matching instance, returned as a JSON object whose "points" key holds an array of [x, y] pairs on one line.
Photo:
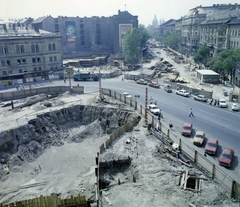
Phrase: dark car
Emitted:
{"points": [[187, 129], [226, 157], [211, 146], [200, 98]]}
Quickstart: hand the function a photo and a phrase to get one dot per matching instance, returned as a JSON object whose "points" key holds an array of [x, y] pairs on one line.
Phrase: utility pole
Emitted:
{"points": [[100, 85], [69, 71], [146, 110]]}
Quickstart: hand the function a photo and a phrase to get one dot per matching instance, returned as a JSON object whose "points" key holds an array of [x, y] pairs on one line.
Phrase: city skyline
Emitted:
{"points": [[88, 8]]}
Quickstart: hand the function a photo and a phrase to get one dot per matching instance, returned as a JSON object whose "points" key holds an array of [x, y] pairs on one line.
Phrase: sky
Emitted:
{"points": [[145, 10]]}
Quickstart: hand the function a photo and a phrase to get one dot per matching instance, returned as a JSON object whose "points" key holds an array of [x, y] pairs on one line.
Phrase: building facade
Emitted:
{"points": [[83, 36], [27, 55]]}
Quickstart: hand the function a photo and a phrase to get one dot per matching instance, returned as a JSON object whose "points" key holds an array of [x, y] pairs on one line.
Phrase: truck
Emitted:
{"points": [[81, 76]]}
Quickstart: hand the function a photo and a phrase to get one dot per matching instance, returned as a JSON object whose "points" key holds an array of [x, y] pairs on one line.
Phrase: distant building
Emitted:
{"points": [[83, 36], [27, 55], [155, 21]]}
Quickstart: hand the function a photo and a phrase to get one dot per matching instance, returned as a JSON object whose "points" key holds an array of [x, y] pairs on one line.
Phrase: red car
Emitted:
{"points": [[226, 157], [211, 146], [187, 129], [154, 85]]}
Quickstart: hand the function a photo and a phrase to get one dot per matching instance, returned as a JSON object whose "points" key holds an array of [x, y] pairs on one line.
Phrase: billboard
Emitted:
{"points": [[70, 32], [122, 31]]}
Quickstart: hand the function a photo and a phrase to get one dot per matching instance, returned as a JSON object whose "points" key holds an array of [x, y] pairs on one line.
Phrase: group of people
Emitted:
{"points": [[214, 102]]}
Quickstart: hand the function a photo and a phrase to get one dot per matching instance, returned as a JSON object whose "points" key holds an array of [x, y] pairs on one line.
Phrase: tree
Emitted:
{"points": [[171, 40], [144, 35], [202, 55], [131, 45]]}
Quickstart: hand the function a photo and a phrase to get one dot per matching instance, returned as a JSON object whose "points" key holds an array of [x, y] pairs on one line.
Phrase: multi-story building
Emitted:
{"points": [[82, 36], [207, 25], [27, 55]]}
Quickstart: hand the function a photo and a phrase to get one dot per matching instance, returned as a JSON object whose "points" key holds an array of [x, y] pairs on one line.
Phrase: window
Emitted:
{"points": [[22, 48], [8, 63], [4, 72], [53, 46], [3, 63], [37, 48], [10, 72], [236, 33], [34, 69], [55, 67], [38, 59], [20, 70], [17, 49], [24, 61], [5, 50], [55, 58], [19, 62], [1, 50], [33, 48], [49, 47], [39, 68], [34, 60], [50, 59]]}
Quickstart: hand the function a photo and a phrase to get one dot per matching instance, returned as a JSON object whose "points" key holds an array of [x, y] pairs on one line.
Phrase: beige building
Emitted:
{"points": [[27, 55]]}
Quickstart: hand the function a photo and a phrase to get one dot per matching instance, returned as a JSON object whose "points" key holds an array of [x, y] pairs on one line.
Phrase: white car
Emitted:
{"points": [[235, 107], [222, 103], [183, 92], [126, 94], [153, 109]]}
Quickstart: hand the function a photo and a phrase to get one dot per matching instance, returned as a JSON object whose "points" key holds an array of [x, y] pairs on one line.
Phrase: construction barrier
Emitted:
{"points": [[53, 201]]}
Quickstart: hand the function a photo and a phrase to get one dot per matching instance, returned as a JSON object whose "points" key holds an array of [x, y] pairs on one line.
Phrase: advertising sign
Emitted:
{"points": [[71, 32]]}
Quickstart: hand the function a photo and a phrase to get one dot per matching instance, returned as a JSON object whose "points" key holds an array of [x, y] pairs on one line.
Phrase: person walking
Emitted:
{"points": [[159, 116], [191, 113], [170, 125]]}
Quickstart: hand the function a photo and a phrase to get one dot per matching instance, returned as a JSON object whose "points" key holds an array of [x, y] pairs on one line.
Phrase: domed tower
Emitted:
{"points": [[155, 21]]}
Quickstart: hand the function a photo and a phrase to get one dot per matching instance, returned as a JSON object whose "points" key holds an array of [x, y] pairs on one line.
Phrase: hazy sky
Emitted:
{"points": [[145, 10]]}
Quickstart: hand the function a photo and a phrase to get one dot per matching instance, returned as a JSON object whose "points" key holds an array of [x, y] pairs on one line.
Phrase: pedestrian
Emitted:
{"points": [[159, 115], [191, 113], [215, 103], [218, 102], [155, 102], [170, 125], [151, 100], [122, 78], [64, 79]]}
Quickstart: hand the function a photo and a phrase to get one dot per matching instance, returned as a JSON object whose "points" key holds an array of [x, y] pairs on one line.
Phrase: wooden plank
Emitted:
{"points": [[182, 180], [185, 184]]}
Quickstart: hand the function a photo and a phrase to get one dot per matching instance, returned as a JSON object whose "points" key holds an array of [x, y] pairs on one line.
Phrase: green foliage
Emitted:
{"points": [[171, 40], [226, 62], [133, 41], [202, 55], [131, 45]]}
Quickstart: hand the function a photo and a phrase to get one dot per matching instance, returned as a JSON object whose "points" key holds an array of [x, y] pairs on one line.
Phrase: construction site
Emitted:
{"points": [[74, 149]]}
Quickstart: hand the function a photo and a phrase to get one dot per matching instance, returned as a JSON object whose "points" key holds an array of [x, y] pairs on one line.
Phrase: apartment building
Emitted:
{"points": [[27, 55], [85, 36]]}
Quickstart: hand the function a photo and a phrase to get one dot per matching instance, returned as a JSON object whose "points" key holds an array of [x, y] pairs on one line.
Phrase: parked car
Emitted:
{"points": [[126, 94], [222, 103], [154, 85], [153, 109], [226, 157], [199, 138], [142, 81], [183, 92], [211, 146], [187, 129], [235, 107], [168, 88], [200, 98]]}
